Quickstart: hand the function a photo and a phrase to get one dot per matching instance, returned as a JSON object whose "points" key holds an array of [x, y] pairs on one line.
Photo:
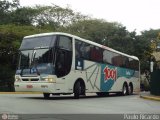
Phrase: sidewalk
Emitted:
{"points": [[147, 95], [21, 93]]}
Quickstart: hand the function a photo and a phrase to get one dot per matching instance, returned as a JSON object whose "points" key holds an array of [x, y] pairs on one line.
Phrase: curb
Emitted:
{"points": [[150, 97], [21, 93]]}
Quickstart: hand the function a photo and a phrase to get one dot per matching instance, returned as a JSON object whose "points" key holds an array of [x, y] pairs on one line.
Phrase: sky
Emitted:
{"points": [[136, 15]]}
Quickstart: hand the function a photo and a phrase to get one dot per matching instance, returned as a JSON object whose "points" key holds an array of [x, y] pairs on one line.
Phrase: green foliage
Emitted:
{"points": [[55, 16], [144, 46], [113, 35], [10, 39], [92, 29], [24, 16], [6, 9], [116, 36], [17, 21]]}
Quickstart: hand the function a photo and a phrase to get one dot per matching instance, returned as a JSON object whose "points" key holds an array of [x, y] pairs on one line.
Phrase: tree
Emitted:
{"points": [[17, 21], [116, 36], [24, 16], [55, 16], [144, 46], [113, 35], [6, 8], [152, 36], [10, 39]]}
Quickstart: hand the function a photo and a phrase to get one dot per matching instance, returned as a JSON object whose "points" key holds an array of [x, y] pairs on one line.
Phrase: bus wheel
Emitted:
{"points": [[46, 95], [77, 90], [125, 90], [130, 89]]}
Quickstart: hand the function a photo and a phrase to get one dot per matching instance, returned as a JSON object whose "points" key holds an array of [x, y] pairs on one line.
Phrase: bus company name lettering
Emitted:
{"points": [[110, 73]]}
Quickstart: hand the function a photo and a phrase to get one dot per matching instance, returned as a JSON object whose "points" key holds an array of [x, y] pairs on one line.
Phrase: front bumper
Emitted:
{"points": [[35, 87]]}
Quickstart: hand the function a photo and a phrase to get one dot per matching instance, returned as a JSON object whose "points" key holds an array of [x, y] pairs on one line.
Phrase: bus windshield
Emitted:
{"points": [[37, 55], [38, 61]]}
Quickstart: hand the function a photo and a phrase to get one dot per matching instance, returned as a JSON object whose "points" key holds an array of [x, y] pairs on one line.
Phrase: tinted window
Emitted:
{"points": [[133, 64], [107, 57], [126, 62], [88, 51], [96, 54], [119, 60], [116, 59], [43, 56], [65, 42], [25, 58], [77, 49], [32, 43], [82, 50], [32, 57], [63, 62]]}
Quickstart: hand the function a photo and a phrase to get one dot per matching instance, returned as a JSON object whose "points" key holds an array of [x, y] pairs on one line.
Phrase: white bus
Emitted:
{"points": [[61, 63]]}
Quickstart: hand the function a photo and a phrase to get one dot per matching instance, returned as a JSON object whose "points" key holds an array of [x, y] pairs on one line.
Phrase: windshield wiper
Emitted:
{"points": [[42, 47]]}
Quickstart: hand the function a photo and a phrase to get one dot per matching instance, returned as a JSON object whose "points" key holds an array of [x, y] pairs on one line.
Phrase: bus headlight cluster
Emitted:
{"points": [[17, 79], [49, 79]]}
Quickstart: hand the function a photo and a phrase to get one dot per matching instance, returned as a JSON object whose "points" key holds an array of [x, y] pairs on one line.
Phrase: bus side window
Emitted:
{"points": [[77, 49], [82, 50], [107, 57], [134, 64], [126, 62], [96, 54], [65, 43], [85, 50]]}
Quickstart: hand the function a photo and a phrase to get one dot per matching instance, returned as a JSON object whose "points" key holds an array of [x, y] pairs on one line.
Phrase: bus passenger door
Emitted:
{"points": [[63, 61], [62, 68], [60, 64]]}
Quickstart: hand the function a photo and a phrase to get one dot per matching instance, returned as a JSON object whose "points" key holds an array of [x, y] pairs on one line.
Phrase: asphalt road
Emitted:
{"points": [[36, 104]]}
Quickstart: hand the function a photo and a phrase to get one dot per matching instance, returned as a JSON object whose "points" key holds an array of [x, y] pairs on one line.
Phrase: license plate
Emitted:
{"points": [[29, 86]]}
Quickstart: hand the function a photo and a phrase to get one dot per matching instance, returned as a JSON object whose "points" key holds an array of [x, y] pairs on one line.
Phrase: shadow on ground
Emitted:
{"points": [[71, 97]]}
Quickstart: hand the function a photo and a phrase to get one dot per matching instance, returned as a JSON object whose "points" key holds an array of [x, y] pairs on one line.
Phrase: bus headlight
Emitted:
{"points": [[17, 79], [49, 79]]}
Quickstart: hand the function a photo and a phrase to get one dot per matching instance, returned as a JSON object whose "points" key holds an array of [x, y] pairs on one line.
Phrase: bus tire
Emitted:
{"points": [[125, 89], [77, 90], [130, 89], [46, 95]]}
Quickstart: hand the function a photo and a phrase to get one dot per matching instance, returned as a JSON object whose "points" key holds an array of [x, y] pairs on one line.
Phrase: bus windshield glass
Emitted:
{"points": [[37, 55], [38, 61], [38, 42]]}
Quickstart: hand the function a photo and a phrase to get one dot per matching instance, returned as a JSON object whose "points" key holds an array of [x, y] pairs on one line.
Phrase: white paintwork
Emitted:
{"points": [[66, 84]]}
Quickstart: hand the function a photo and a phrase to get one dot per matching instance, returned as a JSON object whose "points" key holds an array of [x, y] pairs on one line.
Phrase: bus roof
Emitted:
{"points": [[84, 40]]}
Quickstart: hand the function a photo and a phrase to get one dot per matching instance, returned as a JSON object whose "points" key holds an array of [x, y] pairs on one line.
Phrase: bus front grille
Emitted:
{"points": [[30, 79]]}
